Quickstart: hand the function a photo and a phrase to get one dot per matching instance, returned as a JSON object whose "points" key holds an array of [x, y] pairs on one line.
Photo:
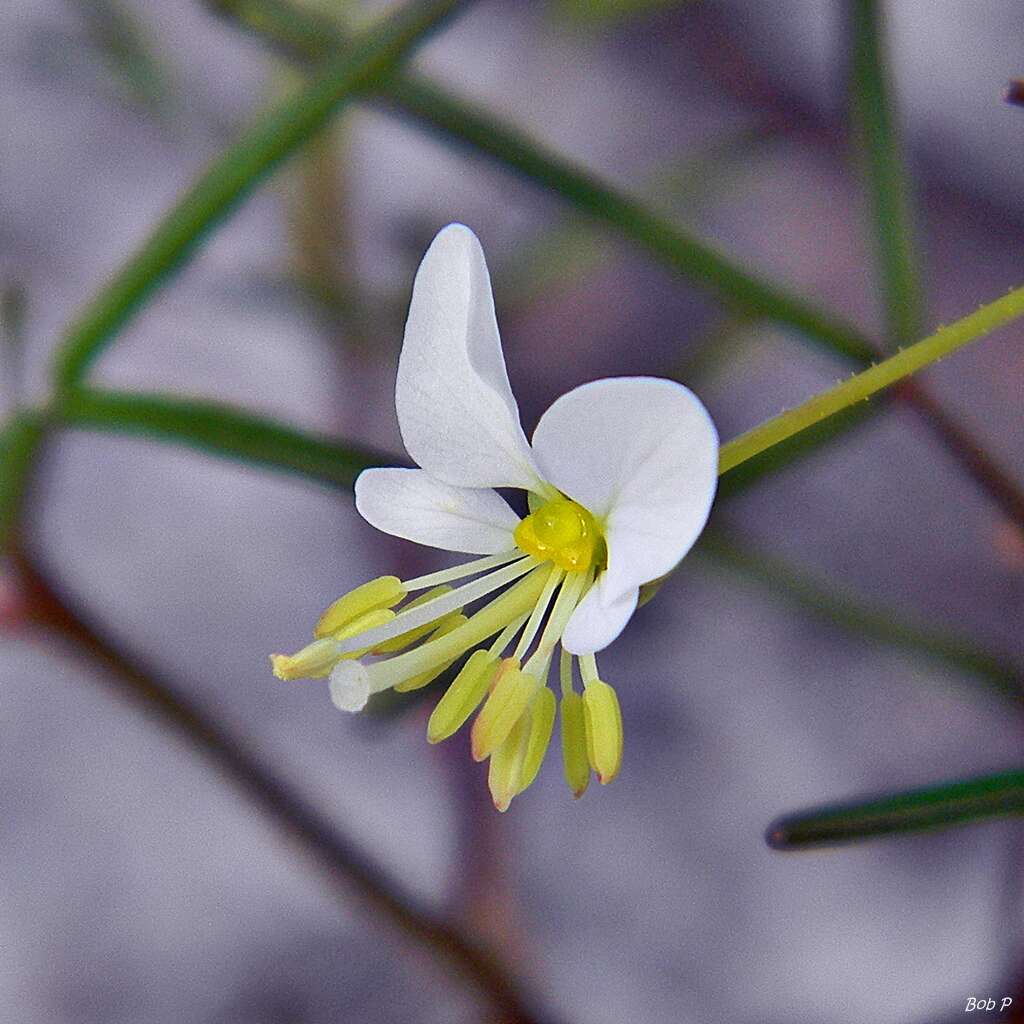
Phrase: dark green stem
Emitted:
{"points": [[917, 810]]}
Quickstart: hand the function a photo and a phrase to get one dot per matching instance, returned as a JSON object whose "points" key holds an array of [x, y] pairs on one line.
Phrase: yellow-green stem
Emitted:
{"points": [[861, 386]]}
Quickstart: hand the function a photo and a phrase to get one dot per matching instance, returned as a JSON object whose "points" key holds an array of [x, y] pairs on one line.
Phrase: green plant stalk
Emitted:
{"points": [[862, 385], [916, 810], [220, 430], [114, 33], [275, 136], [303, 36], [566, 251], [796, 449], [19, 439], [875, 126]]}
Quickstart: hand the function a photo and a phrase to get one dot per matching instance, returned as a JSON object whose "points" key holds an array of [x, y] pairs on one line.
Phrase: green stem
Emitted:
{"points": [[916, 810], [221, 430], [275, 136], [19, 440], [875, 123], [863, 385]]}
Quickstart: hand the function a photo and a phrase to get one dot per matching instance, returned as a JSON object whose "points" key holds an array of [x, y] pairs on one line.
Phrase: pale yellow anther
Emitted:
{"points": [[575, 762], [509, 698], [562, 532], [383, 592], [603, 720], [463, 697], [542, 723], [505, 772], [410, 636], [448, 623], [365, 622], [314, 661]]}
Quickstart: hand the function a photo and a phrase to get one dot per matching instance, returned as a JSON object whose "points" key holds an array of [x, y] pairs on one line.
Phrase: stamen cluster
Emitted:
{"points": [[375, 638]]}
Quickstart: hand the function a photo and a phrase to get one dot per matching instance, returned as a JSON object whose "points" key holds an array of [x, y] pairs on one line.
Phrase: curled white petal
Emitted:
{"points": [[642, 455], [410, 503], [350, 686], [597, 621], [455, 407]]}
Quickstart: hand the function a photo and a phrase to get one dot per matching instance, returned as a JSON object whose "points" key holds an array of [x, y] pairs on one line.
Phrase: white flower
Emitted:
{"points": [[621, 474]]}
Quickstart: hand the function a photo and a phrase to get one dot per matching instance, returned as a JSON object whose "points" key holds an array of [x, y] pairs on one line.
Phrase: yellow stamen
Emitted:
{"points": [[506, 769], [510, 606], [510, 696], [463, 697], [562, 532], [603, 720], [537, 615], [542, 722], [316, 660], [383, 592], [410, 636], [449, 623], [574, 744]]}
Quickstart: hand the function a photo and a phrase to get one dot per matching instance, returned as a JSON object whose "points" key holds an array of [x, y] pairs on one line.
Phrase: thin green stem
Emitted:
{"points": [[220, 430], [275, 136], [916, 810], [19, 440], [862, 385], [875, 127]]}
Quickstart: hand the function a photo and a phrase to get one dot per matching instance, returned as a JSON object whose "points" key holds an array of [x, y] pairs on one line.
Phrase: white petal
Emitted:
{"points": [[410, 503], [642, 455], [598, 621], [455, 407]]}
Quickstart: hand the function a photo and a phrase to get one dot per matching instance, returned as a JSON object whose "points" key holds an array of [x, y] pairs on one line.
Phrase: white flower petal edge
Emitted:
{"points": [[596, 622], [641, 454], [410, 503], [458, 418]]}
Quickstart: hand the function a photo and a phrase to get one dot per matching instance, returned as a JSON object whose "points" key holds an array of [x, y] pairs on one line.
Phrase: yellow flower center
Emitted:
{"points": [[562, 532]]}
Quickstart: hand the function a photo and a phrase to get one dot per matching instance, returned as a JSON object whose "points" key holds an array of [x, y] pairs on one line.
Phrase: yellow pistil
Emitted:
{"points": [[562, 532]]}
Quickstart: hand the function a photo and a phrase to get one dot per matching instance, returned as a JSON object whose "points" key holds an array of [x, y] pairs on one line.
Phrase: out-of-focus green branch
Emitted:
{"points": [[916, 810], [120, 41], [19, 440], [875, 119], [274, 136], [222, 430]]}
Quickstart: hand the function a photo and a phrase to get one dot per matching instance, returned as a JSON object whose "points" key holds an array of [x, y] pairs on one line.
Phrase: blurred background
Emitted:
{"points": [[139, 883]]}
